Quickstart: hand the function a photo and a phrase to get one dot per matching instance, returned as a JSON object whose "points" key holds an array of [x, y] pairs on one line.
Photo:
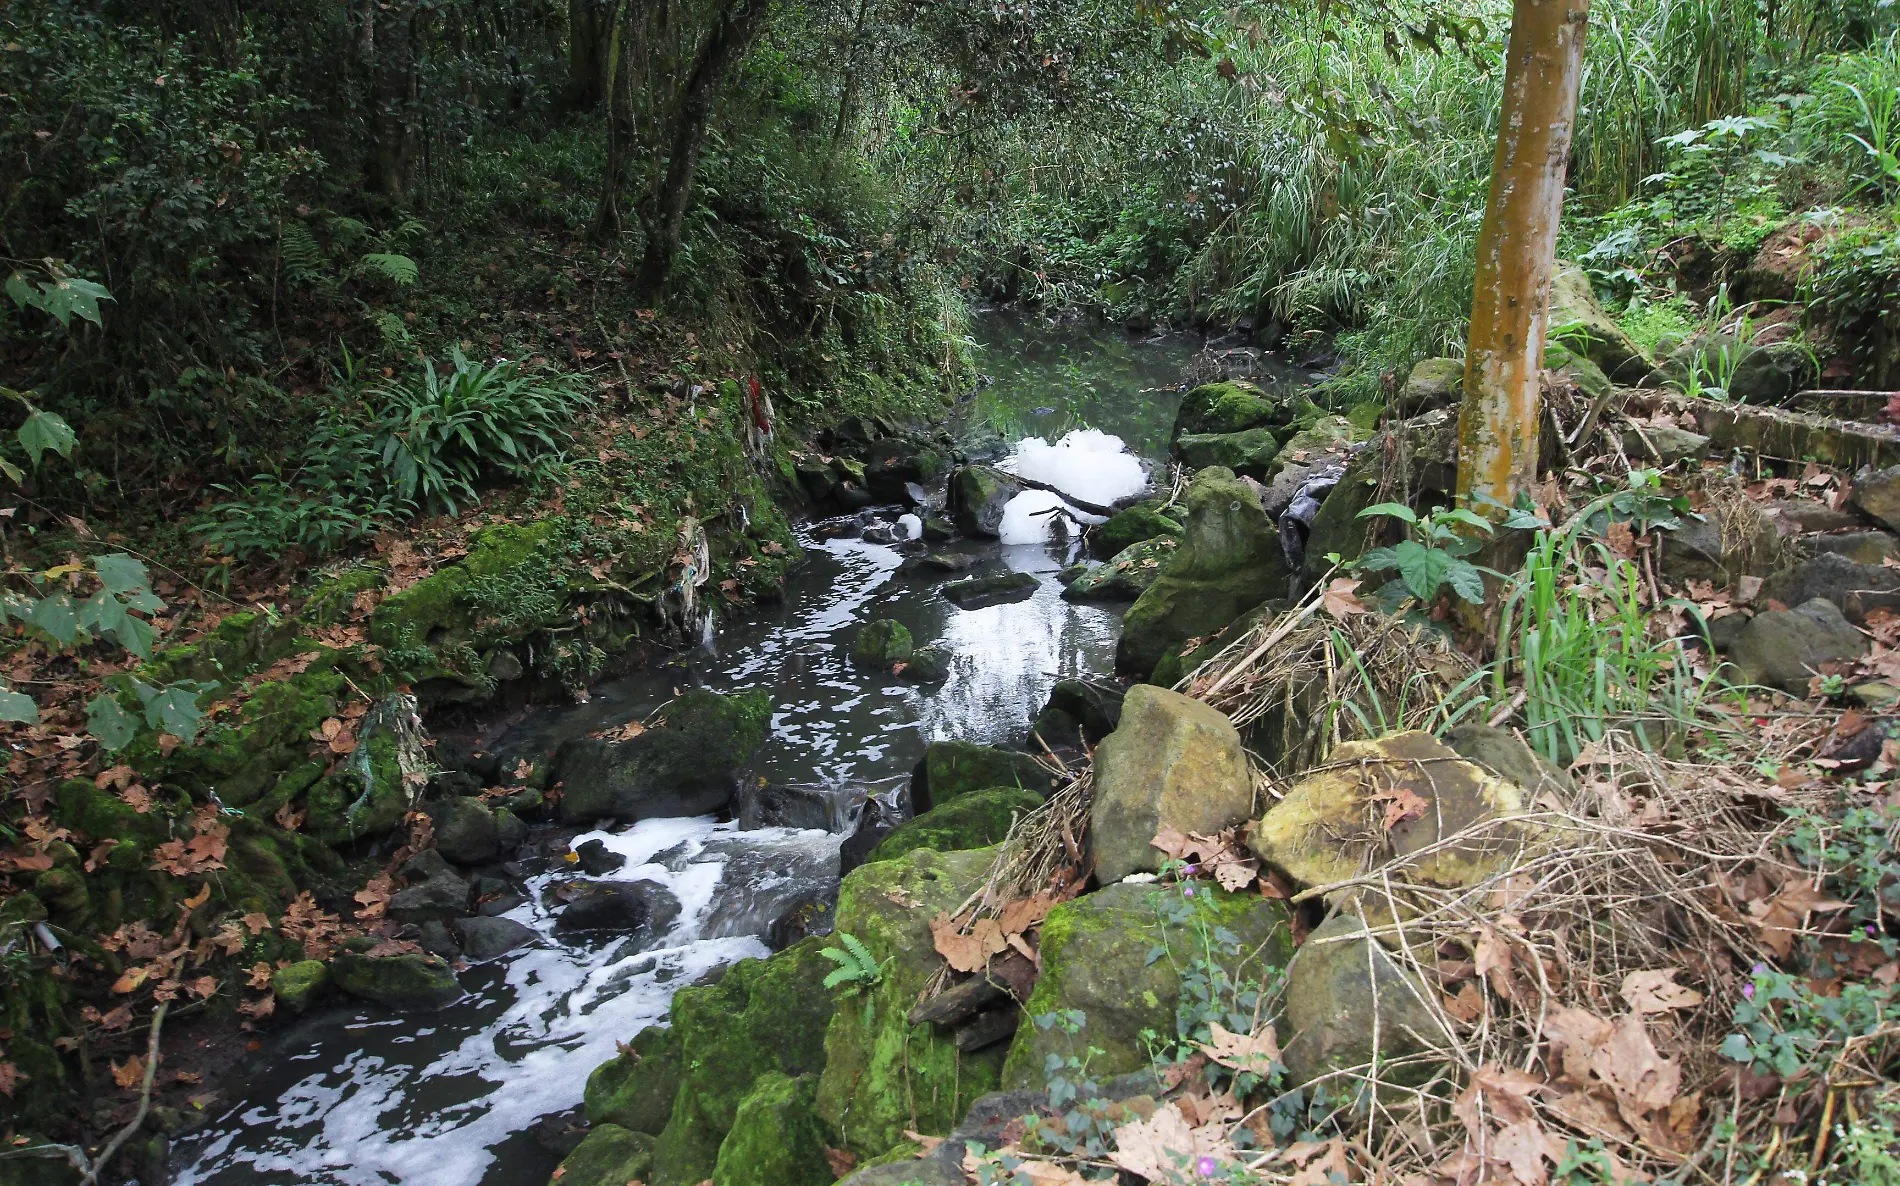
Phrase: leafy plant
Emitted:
{"points": [[857, 968], [1786, 1028], [1434, 557], [62, 296], [440, 436]]}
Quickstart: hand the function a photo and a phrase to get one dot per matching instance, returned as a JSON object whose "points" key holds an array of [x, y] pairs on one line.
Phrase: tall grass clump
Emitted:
{"points": [[1578, 631]]}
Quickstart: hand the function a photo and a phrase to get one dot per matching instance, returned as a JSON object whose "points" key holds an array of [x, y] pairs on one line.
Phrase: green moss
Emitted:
{"points": [[635, 1091], [1097, 958], [953, 768], [883, 1075], [1233, 406], [331, 600], [243, 760], [239, 643], [297, 985], [608, 1156], [429, 628], [776, 1137], [762, 1015], [100, 815], [976, 820], [1126, 528]]}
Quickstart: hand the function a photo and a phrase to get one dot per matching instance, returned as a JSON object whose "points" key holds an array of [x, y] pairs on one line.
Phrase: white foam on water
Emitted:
{"points": [[1026, 518], [1088, 464], [377, 1117], [912, 526]]}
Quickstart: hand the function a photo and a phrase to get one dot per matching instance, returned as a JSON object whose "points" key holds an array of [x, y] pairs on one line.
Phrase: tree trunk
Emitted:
{"points": [[590, 30], [1499, 421], [390, 42], [627, 54], [739, 23]]}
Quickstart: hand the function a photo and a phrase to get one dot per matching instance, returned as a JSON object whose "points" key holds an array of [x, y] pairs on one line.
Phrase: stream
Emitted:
{"points": [[354, 1094]]}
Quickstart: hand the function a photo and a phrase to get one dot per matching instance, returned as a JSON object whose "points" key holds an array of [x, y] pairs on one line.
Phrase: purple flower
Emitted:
{"points": [[1189, 870], [1188, 890], [1871, 932], [1758, 969], [1207, 1166], [1748, 992]]}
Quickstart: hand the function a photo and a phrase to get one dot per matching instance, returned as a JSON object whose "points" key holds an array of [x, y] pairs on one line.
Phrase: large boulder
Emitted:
{"points": [[635, 1090], [398, 981], [1578, 319], [1229, 561], [1877, 494], [1721, 546], [1772, 373], [1232, 406], [623, 907], [761, 1016], [976, 820], [297, 985], [1434, 383], [690, 766], [1126, 528], [1854, 588], [883, 644], [1095, 954], [953, 768], [882, 1074], [484, 938], [776, 1137], [978, 494], [1171, 762], [441, 896], [1125, 578], [465, 830], [1786, 648], [1873, 548], [1395, 799], [1250, 452], [608, 1155], [983, 592], [1347, 1001]]}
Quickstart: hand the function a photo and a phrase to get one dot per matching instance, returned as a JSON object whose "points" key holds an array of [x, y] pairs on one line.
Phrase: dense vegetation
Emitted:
{"points": [[370, 363]]}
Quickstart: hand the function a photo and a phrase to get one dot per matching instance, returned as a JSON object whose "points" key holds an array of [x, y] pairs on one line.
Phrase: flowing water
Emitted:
{"points": [[359, 1095]]}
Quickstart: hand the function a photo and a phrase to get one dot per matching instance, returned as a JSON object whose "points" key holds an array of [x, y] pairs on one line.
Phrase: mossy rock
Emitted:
{"points": [[1096, 959], [297, 985], [776, 1138], [1578, 320], [977, 496], [882, 643], [372, 791], [1128, 527], [36, 1171], [976, 820], [1250, 452], [1130, 574], [762, 1015], [636, 1091], [883, 1075], [432, 622], [333, 599], [398, 981], [1323, 435], [100, 815], [1229, 561], [1578, 370], [608, 1156], [238, 644], [1433, 383], [1232, 406], [953, 768], [690, 765]]}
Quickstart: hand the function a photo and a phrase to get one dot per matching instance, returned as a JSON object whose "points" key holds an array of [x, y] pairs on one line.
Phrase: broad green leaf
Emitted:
{"points": [[1379, 559], [65, 297], [172, 708], [42, 431], [1397, 510], [22, 293], [1468, 518], [17, 707], [1422, 569], [1466, 581], [106, 615], [11, 470], [57, 616], [121, 573], [109, 723]]}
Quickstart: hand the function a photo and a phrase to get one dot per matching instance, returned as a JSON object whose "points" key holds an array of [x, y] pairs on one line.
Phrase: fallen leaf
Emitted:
{"points": [[1656, 991], [1341, 600], [130, 1073], [1243, 1052], [10, 1077], [841, 1161], [971, 952]]}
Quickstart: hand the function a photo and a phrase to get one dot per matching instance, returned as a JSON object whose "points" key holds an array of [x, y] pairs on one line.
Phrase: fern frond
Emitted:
{"points": [[839, 977], [858, 949], [838, 956], [302, 254], [398, 269]]}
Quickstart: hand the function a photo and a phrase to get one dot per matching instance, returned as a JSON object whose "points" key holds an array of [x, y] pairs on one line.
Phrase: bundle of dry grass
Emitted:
{"points": [[1582, 994], [1300, 682]]}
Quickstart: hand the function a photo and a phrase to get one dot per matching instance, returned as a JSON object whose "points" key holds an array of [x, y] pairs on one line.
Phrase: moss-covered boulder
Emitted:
{"points": [[636, 1090], [608, 1156], [997, 589], [776, 1137], [377, 785], [465, 830], [1349, 1001], [691, 765], [976, 820], [978, 494], [1232, 406], [296, 986], [762, 1015], [430, 628], [1172, 762], [1130, 526], [1433, 383], [1418, 455], [1578, 321], [928, 665], [1095, 958], [1125, 578], [1577, 370], [1229, 561], [883, 1075], [882, 644], [953, 768], [398, 981], [1250, 452]]}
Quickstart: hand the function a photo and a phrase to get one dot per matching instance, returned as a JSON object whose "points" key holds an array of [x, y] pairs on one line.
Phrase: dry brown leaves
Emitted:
{"points": [[1224, 855], [967, 942], [10, 1078], [203, 853]]}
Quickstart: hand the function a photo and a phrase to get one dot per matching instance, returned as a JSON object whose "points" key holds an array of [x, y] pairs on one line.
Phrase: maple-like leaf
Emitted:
{"points": [[1656, 991], [967, 952], [1243, 1052], [1341, 598], [129, 1073]]}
